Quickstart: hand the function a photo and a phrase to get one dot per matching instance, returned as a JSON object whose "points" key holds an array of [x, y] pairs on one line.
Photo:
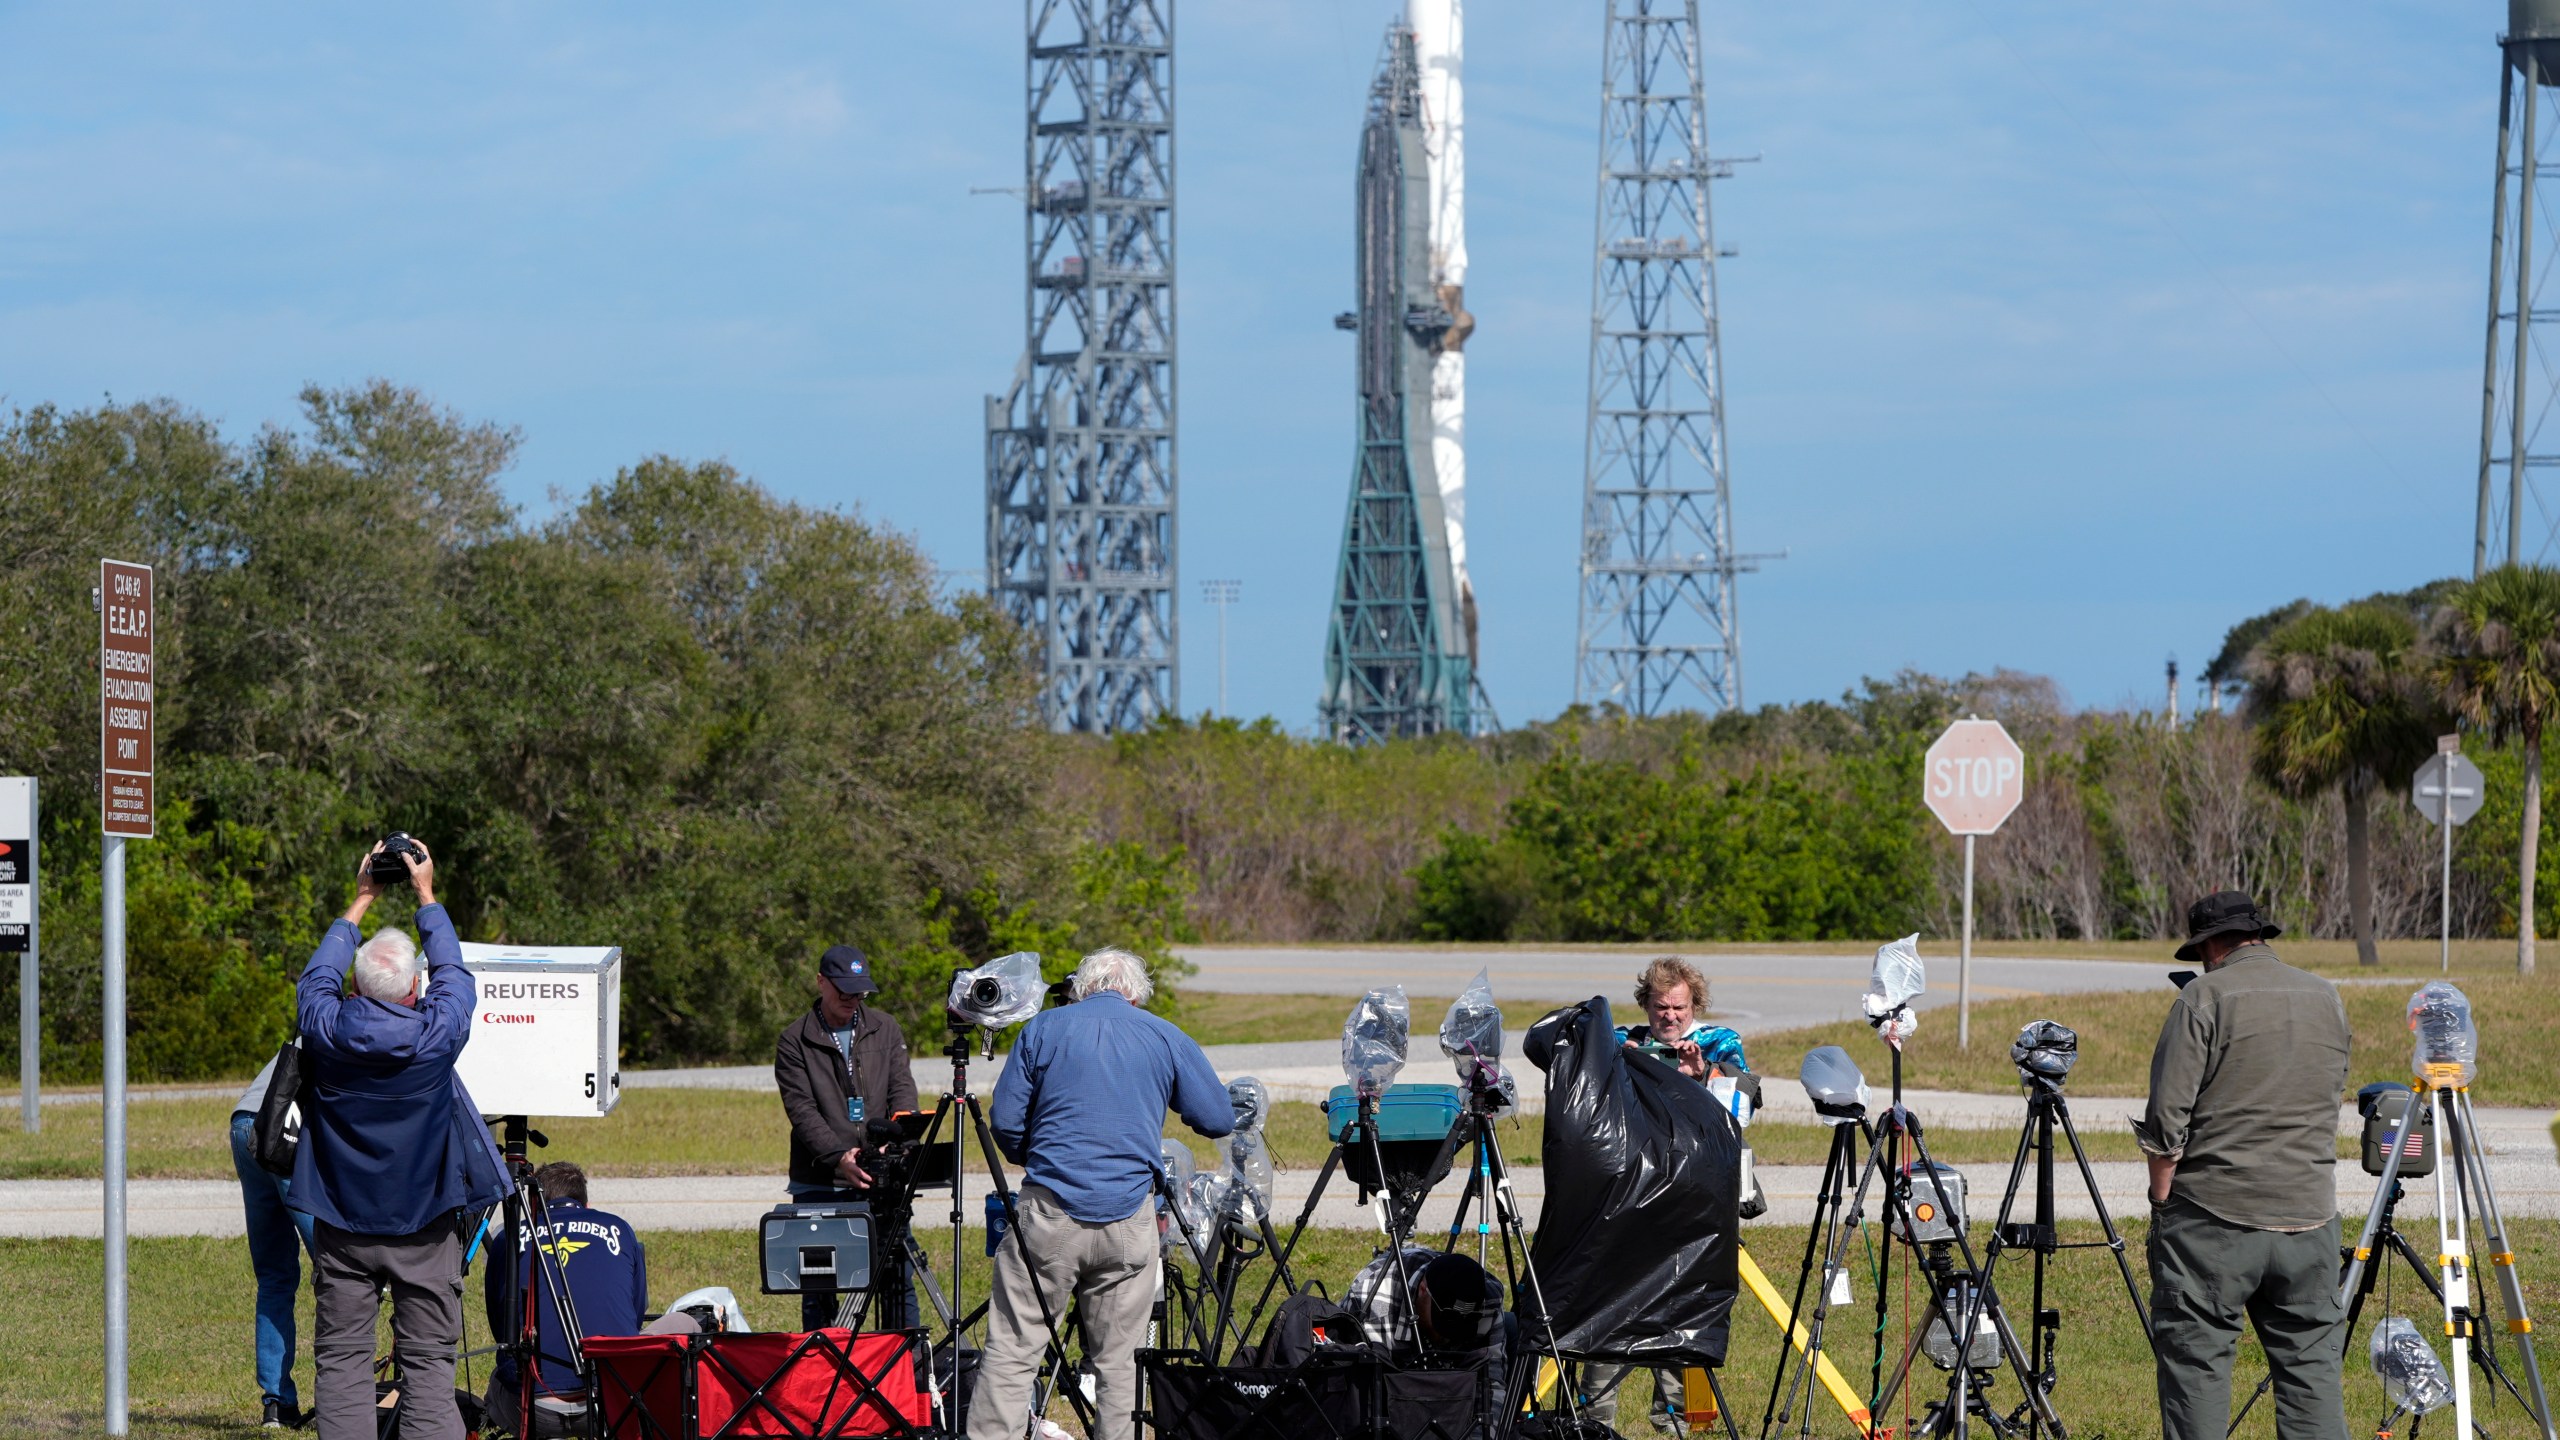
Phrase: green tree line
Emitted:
{"points": [[679, 716]]}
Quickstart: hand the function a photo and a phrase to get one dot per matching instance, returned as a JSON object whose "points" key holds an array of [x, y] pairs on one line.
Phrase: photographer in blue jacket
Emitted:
{"points": [[393, 1154]]}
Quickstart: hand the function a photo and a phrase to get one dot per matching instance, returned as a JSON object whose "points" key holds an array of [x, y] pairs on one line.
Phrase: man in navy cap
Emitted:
{"points": [[839, 1067]]}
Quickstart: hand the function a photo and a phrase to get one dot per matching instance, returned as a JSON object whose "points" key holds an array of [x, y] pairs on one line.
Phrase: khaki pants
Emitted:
{"points": [[2206, 1276], [424, 1274], [1110, 1269]]}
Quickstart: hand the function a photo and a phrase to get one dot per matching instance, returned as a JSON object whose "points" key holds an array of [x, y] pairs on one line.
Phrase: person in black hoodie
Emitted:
{"points": [[839, 1067]]}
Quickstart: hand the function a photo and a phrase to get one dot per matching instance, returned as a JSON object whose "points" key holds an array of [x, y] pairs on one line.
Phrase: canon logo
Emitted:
{"points": [[491, 1017]]}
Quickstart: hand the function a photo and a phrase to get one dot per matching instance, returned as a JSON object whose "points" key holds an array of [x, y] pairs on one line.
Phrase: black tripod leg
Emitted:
{"points": [[1825, 1199], [2106, 1222], [1049, 1316], [1715, 1388], [1306, 1213]]}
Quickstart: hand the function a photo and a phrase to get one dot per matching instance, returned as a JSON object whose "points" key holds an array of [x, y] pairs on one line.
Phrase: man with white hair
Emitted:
{"points": [[1080, 1108], [393, 1153]]}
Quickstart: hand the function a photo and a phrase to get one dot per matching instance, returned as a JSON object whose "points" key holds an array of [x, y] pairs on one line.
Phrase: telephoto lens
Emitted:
{"points": [[986, 990]]}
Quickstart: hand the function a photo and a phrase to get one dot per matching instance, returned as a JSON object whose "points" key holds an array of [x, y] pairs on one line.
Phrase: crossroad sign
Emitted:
{"points": [[127, 617], [2447, 777], [1973, 777]]}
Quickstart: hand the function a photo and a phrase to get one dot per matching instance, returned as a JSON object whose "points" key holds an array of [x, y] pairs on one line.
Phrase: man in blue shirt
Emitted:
{"points": [[1080, 1108], [392, 1152], [608, 1275]]}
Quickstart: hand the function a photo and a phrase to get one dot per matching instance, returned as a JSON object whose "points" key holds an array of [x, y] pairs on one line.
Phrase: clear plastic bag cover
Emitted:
{"points": [[1635, 1249], [1473, 1028], [1206, 1200], [1833, 1083], [1178, 1174], [2441, 1030], [1019, 976], [1252, 1102], [1374, 1038], [1898, 977], [2411, 1375], [1248, 1191]]}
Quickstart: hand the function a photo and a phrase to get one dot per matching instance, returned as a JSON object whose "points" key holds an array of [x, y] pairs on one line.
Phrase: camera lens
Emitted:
{"points": [[986, 990]]}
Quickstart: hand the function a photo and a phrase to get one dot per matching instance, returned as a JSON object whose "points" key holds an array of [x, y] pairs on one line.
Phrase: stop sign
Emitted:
{"points": [[1973, 777]]}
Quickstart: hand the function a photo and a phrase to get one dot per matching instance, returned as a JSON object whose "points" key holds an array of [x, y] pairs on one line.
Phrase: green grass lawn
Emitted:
{"points": [[191, 1372]]}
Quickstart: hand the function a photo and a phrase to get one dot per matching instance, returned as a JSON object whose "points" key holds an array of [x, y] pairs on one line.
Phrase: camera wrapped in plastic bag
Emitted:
{"points": [[1005, 991], [2044, 1052], [1471, 1036], [1245, 1200], [2411, 1375], [1179, 1174], [1374, 1037], [1897, 979], [2445, 1048]]}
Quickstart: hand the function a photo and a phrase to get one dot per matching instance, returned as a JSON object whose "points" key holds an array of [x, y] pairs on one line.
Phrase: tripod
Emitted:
{"points": [[2458, 1152], [1977, 1303], [2045, 1110], [955, 1102], [528, 1213], [1830, 1217], [1399, 1205]]}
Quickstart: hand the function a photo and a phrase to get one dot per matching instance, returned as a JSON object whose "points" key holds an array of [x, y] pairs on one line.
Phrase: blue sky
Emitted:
{"points": [[2061, 337]]}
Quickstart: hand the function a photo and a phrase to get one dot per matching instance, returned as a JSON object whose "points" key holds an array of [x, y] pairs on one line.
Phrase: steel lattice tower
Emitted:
{"points": [[2516, 520], [1396, 656], [1657, 608], [1080, 453]]}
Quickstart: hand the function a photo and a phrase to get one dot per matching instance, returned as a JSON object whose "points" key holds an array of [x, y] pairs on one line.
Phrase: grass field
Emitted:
{"points": [[732, 1132], [192, 1300]]}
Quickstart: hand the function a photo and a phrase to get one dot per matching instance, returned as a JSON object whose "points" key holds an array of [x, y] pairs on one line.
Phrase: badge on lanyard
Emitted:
{"points": [[853, 1110]]}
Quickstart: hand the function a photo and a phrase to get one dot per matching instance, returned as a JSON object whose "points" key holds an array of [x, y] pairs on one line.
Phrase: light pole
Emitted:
{"points": [[1222, 593]]}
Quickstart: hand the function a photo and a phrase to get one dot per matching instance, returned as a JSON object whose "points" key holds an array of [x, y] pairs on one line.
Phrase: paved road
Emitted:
{"points": [[1755, 992]]}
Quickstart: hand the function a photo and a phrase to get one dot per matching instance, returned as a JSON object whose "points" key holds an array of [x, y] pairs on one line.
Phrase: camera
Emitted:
{"points": [[384, 866], [2044, 1053], [1927, 1224], [1833, 1084], [1004, 991], [2392, 1112]]}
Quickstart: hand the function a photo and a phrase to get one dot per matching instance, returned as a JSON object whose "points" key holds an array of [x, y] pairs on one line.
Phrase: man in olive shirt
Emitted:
{"points": [[2241, 1136]]}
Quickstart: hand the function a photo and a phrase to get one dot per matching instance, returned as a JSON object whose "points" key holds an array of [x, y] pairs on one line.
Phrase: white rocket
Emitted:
{"points": [[1439, 30]]}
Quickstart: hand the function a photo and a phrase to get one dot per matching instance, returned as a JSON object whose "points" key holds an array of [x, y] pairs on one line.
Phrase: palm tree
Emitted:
{"points": [[2341, 703], [2498, 664]]}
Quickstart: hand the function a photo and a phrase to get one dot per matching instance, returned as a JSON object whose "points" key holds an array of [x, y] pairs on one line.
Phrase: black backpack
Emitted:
{"points": [[279, 1124], [1311, 1327]]}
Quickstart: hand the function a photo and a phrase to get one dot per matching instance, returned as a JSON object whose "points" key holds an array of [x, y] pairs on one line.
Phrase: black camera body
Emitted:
{"points": [[385, 867]]}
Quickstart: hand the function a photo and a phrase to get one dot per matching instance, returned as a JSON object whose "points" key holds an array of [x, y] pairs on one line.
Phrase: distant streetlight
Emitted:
{"points": [[1222, 593]]}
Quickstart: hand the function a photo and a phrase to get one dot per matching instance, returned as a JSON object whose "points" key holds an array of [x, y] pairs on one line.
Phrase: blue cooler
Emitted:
{"points": [[1414, 1122]]}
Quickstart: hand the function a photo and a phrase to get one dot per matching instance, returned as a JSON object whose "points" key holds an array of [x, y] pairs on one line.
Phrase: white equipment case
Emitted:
{"points": [[546, 1035]]}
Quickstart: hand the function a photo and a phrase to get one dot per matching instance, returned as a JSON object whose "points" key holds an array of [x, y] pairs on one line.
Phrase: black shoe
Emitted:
{"points": [[280, 1416]]}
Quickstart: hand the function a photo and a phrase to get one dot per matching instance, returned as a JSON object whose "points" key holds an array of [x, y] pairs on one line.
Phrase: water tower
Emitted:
{"points": [[2515, 520]]}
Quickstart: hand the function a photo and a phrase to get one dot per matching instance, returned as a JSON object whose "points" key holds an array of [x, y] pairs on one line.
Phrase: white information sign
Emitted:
{"points": [[546, 1035]]}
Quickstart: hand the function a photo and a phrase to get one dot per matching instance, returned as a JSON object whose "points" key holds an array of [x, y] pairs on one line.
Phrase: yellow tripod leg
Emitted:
{"points": [[1776, 1304], [1697, 1399]]}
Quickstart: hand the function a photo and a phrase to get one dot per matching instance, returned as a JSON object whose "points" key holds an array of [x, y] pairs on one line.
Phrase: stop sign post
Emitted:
{"points": [[1972, 779], [2447, 790]]}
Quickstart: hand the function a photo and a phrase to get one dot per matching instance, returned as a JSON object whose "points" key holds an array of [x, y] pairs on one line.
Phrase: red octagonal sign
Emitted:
{"points": [[1974, 777]]}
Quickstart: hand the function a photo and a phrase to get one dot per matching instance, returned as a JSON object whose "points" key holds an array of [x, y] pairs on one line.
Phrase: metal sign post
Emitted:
{"points": [[127, 614], [18, 934], [2447, 790], [1972, 779]]}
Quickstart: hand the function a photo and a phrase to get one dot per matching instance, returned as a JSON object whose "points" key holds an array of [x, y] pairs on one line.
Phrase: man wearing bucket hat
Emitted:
{"points": [[2241, 1137], [839, 1067]]}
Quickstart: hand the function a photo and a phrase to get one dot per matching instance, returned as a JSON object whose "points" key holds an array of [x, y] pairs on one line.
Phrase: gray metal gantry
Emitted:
{"points": [[1395, 658], [1657, 628], [1080, 452], [2515, 520]]}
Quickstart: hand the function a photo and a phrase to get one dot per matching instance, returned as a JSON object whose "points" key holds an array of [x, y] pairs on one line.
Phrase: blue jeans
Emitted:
{"points": [[277, 1238]]}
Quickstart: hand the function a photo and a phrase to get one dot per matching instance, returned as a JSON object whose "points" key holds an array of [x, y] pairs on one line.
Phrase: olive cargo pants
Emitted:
{"points": [[2206, 1275]]}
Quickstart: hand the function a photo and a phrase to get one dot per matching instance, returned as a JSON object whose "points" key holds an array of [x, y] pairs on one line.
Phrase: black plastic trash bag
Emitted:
{"points": [[1635, 1246]]}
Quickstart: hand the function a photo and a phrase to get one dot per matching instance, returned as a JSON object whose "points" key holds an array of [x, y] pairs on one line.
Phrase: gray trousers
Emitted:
{"points": [[424, 1273], [1600, 1391], [1109, 1268], [2207, 1274]]}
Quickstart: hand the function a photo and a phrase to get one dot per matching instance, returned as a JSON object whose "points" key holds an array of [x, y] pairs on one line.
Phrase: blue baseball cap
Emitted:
{"points": [[847, 969]]}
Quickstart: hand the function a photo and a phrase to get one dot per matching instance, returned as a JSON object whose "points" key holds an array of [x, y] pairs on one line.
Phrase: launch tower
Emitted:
{"points": [[1658, 629], [2516, 520], [1080, 451], [1398, 660]]}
